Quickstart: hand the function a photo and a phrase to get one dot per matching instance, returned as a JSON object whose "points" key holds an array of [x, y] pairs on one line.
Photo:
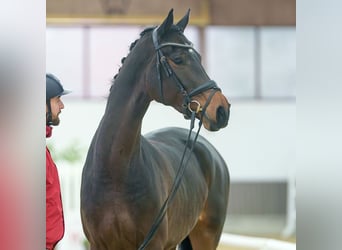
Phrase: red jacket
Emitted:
{"points": [[54, 208]]}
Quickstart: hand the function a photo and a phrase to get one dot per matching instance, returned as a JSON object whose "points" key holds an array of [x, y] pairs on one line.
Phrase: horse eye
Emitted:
{"points": [[177, 60]]}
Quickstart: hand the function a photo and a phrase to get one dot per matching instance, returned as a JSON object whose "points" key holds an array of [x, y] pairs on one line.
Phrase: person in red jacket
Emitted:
{"points": [[54, 208]]}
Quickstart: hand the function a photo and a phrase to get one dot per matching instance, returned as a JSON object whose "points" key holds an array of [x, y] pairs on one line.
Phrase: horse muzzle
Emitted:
{"points": [[222, 117], [216, 116]]}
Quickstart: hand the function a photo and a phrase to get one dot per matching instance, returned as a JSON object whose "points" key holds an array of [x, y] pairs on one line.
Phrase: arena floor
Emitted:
{"points": [[243, 242]]}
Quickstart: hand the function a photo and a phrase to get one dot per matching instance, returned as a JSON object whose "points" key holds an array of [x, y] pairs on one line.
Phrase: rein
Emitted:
{"points": [[186, 105]]}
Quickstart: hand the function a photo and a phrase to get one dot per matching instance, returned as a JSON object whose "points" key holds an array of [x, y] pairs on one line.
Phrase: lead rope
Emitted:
{"points": [[179, 174]]}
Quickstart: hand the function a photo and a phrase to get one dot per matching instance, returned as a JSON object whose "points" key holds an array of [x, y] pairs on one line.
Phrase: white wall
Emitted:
{"points": [[258, 144]]}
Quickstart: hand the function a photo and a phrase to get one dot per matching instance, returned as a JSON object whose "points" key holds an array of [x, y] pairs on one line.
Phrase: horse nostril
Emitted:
{"points": [[222, 117]]}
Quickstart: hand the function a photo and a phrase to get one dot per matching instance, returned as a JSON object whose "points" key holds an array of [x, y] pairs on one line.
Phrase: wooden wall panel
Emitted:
{"points": [[203, 12], [124, 11], [253, 12]]}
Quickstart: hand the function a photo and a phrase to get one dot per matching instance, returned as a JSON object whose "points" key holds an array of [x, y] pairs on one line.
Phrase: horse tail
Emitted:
{"points": [[185, 244]]}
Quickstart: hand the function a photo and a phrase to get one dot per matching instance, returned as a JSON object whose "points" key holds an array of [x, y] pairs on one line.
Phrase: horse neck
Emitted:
{"points": [[120, 131]]}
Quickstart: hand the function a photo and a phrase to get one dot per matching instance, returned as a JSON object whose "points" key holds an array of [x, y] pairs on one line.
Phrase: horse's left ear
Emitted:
{"points": [[184, 21]]}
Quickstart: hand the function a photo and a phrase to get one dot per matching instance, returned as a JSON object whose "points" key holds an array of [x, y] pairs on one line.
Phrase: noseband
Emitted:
{"points": [[187, 100]]}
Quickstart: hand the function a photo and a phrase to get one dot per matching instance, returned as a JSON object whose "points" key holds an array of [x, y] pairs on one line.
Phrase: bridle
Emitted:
{"points": [[189, 113], [187, 96]]}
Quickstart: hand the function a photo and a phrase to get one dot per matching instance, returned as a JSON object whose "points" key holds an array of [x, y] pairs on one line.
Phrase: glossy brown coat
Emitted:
{"points": [[127, 176]]}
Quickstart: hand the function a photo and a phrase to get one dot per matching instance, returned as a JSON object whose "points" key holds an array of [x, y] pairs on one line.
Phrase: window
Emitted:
{"points": [[64, 56], [278, 61], [246, 62]]}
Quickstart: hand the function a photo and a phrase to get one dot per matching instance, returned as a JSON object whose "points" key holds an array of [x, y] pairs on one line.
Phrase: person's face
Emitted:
{"points": [[56, 107]]}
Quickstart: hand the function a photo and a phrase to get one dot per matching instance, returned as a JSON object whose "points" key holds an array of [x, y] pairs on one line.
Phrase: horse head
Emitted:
{"points": [[181, 81]]}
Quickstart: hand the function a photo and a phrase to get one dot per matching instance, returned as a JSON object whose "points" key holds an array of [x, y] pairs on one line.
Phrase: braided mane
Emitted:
{"points": [[146, 30]]}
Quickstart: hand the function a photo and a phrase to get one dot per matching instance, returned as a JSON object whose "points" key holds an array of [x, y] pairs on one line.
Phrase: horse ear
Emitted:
{"points": [[165, 26], [184, 21]]}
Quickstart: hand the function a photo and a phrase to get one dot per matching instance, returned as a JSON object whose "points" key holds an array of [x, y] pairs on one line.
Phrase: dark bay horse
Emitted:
{"points": [[127, 176]]}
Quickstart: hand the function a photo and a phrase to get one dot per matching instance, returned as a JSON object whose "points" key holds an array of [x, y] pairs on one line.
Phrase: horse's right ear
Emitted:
{"points": [[165, 26]]}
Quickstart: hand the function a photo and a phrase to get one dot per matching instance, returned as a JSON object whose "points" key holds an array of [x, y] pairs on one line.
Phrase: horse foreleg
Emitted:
{"points": [[204, 238]]}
